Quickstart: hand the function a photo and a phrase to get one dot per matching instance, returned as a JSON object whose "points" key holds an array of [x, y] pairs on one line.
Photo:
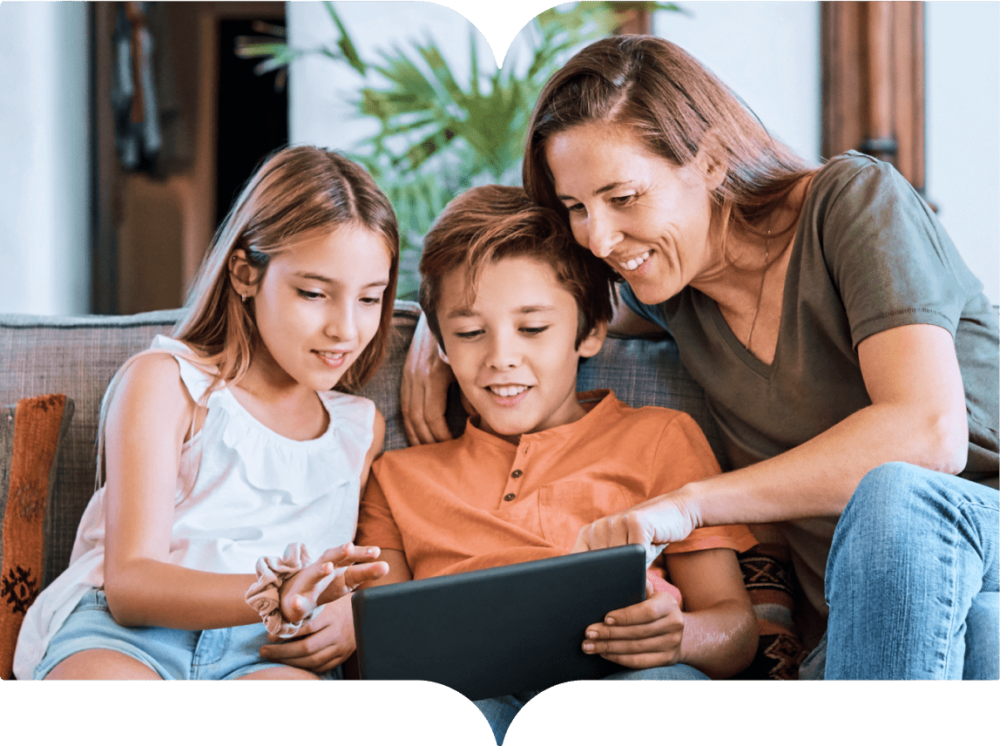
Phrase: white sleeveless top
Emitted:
{"points": [[243, 491]]}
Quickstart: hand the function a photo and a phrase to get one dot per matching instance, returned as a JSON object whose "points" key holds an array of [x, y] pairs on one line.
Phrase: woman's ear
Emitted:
{"points": [[711, 163], [242, 276], [594, 341]]}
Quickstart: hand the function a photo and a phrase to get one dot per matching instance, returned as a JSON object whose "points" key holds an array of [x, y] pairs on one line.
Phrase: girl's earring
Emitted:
{"points": [[243, 296]]}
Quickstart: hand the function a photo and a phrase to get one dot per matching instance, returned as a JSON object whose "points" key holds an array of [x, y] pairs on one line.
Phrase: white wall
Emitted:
{"points": [[768, 53], [963, 130], [319, 89], [44, 177]]}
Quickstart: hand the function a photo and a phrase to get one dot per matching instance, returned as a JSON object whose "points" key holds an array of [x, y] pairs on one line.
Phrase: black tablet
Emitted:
{"points": [[492, 632]]}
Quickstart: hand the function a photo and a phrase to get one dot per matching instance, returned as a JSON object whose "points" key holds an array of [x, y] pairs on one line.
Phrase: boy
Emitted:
{"points": [[514, 305]]}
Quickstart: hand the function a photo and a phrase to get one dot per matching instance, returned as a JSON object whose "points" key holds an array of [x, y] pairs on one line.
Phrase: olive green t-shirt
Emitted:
{"points": [[868, 255]]}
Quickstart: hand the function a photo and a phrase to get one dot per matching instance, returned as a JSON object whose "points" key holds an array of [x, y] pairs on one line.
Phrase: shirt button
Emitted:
{"points": [[509, 496], [516, 473]]}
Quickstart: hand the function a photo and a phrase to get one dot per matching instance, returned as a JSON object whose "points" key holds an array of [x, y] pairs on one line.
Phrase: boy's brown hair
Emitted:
{"points": [[489, 223]]}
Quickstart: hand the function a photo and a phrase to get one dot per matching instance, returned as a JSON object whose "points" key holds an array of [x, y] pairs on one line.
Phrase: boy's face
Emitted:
{"points": [[513, 351]]}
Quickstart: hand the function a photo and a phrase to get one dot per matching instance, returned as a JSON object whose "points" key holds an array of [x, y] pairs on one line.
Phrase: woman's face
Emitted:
{"points": [[647, 218]]}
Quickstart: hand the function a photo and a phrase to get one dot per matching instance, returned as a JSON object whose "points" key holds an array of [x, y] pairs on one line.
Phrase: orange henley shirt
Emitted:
{"points": [[479, 501]]}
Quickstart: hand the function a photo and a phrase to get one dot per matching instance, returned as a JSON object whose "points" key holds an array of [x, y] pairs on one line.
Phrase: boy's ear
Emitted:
{"points": [[594, 341], [243, 277]]}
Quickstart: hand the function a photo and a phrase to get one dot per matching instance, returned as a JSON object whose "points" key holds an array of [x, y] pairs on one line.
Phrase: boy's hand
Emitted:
{"points": [[338, 572], [323, 643], [644, 635]]}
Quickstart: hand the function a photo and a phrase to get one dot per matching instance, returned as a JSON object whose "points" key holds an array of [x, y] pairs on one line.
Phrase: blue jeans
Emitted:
{"points": [[912, 581], [500, 711]]}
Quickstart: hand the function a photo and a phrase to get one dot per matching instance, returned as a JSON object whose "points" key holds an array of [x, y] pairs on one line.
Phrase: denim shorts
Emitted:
{"points": [[174, 654]]}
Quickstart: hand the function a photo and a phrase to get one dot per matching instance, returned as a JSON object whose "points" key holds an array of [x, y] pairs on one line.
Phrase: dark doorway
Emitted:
{"points": [[253, 116]]}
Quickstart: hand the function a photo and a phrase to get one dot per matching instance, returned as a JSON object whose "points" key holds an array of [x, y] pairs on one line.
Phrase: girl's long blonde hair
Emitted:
{"points": [[297, 191]]}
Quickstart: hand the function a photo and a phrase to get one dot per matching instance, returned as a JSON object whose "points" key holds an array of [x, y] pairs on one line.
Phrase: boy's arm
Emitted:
{"points": [[717, 632], [720, 627]]}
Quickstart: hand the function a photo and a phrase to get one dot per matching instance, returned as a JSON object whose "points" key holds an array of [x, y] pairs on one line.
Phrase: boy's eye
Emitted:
{"points": [[309, 294], [533, 330]]}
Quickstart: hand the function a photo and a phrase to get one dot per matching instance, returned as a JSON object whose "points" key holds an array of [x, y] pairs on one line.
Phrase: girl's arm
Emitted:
{"points": [[917, 415], [327, 640], [148, 421], [716, 633]]}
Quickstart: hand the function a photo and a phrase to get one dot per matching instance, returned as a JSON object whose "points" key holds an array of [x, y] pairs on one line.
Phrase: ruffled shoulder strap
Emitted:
{"points": [[352, 419], [196, 379]]}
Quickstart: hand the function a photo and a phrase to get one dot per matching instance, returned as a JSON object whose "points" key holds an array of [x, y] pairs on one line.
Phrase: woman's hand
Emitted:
{"points": [[424, 392], [338, 572], [654, 524], [643, 635], [323, 643]]}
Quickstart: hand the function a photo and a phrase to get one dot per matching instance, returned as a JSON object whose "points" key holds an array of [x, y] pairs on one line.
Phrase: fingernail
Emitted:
{"points": [[588, 647], [592, 634], [609, 620], [373, 551]]}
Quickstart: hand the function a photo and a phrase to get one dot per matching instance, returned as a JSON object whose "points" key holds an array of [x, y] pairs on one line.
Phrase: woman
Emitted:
{"points": [[847, 353]]}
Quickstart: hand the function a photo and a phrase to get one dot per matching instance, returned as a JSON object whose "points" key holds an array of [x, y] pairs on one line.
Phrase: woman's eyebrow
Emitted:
{"points": [[601, 190]]}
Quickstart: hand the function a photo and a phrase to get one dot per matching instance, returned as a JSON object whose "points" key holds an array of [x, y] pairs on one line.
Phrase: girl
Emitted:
{"points": [[225, 442]]}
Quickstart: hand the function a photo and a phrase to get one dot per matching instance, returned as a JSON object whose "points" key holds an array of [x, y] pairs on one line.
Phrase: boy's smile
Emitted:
{"points": [[512, 349]]}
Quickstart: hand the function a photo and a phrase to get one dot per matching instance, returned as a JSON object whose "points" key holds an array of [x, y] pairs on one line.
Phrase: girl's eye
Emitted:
{"points": [[309, 294], [469, 335], [372, 301], [533, 330]]}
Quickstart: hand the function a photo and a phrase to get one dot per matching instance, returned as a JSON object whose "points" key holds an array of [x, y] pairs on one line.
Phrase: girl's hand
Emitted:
{"points": [[654, 524], [338, 572], [323, 643], [644, 635], [424, 392]]}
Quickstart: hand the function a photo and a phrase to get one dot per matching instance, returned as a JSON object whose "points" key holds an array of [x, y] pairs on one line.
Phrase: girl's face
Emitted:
{"points": [[320, 304], [647, 218]]}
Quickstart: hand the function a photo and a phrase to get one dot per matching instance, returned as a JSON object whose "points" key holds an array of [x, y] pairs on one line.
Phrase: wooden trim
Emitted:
{"points": [[873, 82]]}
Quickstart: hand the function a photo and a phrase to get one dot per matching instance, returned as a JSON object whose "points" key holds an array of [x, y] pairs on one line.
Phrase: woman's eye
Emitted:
{"points": [[533, 330], [623, 200], [309, 294], [578, 208]]}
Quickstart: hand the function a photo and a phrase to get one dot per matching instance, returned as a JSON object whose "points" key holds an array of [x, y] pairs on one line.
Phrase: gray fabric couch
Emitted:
{"points": [[77, 356]]}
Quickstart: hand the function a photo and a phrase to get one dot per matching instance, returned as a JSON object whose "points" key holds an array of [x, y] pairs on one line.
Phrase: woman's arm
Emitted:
{"points": [[917, 415], [424, 391]]}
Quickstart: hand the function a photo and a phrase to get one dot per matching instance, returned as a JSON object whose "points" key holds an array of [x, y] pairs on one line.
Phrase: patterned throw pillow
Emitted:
{"points": [[30, 433]]}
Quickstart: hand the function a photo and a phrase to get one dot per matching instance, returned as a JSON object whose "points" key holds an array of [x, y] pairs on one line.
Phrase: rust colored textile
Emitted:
{"points": [[28, 457]]}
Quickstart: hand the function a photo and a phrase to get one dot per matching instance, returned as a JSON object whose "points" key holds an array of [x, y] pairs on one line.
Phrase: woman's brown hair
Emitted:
{"points": [[297, 192], [671, 103]]}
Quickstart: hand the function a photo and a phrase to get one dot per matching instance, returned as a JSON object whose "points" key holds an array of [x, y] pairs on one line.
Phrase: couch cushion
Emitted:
{"points": [[79, 355]]}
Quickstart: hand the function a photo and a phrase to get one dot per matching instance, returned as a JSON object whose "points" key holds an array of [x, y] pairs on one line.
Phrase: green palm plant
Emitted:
{"points": [[437, 136]]}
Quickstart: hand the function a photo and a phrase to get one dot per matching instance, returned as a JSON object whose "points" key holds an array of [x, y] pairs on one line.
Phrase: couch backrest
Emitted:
{"points": [[78, 356]]}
